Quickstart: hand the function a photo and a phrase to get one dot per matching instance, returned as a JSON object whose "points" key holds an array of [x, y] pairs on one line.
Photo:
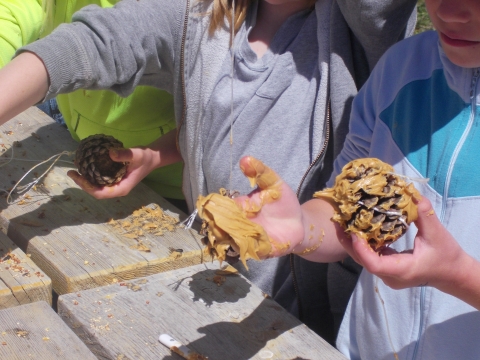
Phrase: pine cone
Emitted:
{"points": [[93, 161], [228, 233], [372, 202]]}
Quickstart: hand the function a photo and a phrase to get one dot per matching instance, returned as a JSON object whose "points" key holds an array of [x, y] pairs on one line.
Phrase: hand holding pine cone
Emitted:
{"points": [[371, 201], [94, 163], [227, 230]]}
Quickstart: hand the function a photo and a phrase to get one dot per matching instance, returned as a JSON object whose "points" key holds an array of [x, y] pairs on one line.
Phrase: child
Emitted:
{"points": [[297, 65], [91, 112], [418, 112]]}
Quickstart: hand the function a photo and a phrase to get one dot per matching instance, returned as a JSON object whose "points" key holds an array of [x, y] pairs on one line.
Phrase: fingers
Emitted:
{"points": [[426, 263], [141, 161], [387, 263], [347, 244], [139, 165], [427, 223], [364, 254], [261, 175], [269, 185], [258, 173], [121, 155], [82, 182], [104, 192]]}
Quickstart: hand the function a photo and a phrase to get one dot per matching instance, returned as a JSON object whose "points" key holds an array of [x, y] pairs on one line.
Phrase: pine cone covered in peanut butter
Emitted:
{"points": [[225, 224], [371, 201], [94, 163]]}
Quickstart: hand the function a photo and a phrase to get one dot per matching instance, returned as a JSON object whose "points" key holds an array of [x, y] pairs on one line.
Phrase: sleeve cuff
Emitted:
{"points": [[65, 59]]}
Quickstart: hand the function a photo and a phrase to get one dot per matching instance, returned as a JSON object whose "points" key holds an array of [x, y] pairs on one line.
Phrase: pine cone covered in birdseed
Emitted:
{"points": [[94, 163], [372, 201]]}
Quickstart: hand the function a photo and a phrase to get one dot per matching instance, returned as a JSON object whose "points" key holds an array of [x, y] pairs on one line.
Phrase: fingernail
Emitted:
{"points": [[113, 152]]}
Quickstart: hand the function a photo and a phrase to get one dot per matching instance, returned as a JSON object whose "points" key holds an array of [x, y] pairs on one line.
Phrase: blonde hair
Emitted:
{"points": [[223, 8]]}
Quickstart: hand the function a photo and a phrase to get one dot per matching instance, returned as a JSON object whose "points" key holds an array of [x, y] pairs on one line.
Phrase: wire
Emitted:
{"points": [[24, 188], [232, 72]]}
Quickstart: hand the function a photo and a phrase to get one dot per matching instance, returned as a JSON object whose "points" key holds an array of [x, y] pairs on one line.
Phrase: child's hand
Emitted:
{"points": [[285, 226], [140, 164], [273, 205], [436, 260]]}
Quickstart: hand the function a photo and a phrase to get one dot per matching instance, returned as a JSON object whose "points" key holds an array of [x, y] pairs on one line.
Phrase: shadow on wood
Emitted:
{"points": [[68, 233], [222, 317]]}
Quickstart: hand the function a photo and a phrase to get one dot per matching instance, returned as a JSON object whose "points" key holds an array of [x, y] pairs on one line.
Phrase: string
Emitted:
{"points": [[188, 222], [24, 188], [405, 177], [377, 291], [232, 69]]}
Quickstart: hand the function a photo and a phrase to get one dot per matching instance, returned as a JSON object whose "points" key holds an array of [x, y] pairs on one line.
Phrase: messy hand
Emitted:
{"points": [[273, 205], [141, 161], [305, 230]]}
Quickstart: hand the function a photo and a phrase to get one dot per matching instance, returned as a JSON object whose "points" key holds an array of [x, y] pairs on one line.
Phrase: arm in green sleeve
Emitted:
{"points": [[20, 23]]}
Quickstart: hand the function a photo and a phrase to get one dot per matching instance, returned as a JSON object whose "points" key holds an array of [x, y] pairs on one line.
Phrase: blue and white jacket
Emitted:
{"points": [[419, 113]]}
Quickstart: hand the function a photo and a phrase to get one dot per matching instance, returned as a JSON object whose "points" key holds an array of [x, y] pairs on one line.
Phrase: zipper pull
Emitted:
{"points": [[473, 85]]}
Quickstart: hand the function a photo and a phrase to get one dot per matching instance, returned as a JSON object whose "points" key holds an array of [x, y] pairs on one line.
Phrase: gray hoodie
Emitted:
{"points": [[165, 43]]}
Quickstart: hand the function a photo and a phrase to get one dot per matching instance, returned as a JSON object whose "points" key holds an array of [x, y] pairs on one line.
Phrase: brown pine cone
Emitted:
{"points": [[93, 161], [372, 201]]}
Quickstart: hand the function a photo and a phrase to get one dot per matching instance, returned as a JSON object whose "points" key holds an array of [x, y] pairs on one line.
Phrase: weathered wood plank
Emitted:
{"points": [[35, 331], [78, 241], [219, 317], [21, 281]]}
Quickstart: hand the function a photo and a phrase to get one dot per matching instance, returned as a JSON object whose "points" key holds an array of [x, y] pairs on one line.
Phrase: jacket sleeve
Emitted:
{"points": [[133, 43], [378, 24], [20, 23]]}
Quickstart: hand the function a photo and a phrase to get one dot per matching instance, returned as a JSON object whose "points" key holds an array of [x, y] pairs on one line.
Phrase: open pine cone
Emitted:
{"points": [[93, 160], [373, 202]]}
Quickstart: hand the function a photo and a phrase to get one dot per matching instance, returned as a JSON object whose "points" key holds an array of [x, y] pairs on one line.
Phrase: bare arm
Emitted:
{"points": [[466, 286], [23, 83], [323, 238]]}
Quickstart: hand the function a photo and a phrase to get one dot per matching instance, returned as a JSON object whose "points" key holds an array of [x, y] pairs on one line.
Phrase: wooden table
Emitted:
{"points": [[219, 316], [21, 281], [35, 331], [78, 241]]}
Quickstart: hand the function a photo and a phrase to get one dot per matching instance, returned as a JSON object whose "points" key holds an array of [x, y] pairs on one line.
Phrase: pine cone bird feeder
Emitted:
{"points": [[94, 163], [373, 202]]}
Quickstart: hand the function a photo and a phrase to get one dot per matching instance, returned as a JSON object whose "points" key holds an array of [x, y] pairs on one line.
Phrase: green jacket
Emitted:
{"points": [[136, 120]]}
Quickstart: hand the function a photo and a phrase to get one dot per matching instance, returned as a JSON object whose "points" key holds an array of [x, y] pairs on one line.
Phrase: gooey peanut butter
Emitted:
{"points": [[371, 201]]}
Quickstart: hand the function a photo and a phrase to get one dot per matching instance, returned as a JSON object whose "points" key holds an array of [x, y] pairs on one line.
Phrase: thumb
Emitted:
{"points": [[259, 174], [121, 155], [268, 181], [427, 222]]}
